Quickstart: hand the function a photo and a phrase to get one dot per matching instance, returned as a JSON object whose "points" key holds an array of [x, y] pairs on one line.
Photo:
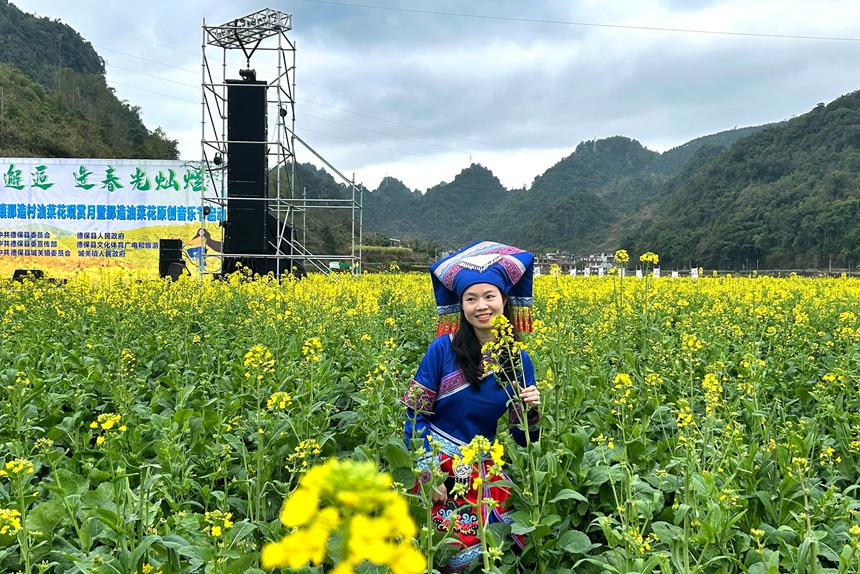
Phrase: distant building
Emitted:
{"points": [[596, 262], [544, 261]]}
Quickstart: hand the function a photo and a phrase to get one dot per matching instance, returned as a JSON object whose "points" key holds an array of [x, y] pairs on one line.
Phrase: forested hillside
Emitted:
{"points": [[788, 196], [54, 101], [785, 195]]}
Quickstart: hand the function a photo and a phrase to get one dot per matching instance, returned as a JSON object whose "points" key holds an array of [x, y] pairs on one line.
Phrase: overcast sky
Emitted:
{"points": [[416, 89]]}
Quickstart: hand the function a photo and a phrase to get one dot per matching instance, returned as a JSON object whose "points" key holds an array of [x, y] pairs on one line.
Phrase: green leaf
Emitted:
{"points": [[140, 549], [568, 493], [575, 542], [666, 532], [396, 455], [46, 516], [522, 523], [69, 483], [682, 511], [240, 530]]}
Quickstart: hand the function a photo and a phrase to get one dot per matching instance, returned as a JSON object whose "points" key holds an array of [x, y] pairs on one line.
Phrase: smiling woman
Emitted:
{"points": [[464, 385], [481, 302]]}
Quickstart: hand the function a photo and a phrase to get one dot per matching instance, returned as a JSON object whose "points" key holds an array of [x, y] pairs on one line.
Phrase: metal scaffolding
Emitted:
{"points": [[264, 33]]}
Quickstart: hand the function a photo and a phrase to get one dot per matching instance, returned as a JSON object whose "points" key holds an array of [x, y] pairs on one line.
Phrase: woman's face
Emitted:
{"points": [[480, 303]]}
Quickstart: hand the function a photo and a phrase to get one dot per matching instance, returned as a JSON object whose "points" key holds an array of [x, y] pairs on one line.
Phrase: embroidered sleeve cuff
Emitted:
{"points": [[419, 397]]}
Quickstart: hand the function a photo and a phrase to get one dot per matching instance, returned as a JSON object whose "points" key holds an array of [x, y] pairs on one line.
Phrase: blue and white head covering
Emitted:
{"points": [[508, 268]]}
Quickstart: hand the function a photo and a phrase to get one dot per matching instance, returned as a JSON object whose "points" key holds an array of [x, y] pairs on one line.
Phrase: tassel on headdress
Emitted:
{"points": [[508, 268], [447, 325]]}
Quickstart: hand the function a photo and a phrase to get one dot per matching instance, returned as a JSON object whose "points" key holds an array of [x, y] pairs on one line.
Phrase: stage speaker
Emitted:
{"points": [[246, 135], [169, 251], [245, 228], [176, 269], [279, 239], [246, 189], [21, 274]]}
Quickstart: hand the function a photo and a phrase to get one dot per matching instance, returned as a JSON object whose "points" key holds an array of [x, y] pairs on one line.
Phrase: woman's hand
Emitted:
{"points": [[530, 396], [440, 494]]}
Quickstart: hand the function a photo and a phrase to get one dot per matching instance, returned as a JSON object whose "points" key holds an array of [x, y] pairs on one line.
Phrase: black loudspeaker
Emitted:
{"points": [[278, 241], [21, 274], [177, 269], [246, 135], [245, 228], [169, 252]]}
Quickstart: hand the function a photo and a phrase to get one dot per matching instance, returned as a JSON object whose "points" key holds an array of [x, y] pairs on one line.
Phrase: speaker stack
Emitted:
{"points": [[245, 228], [279, 241], [170, 263]]}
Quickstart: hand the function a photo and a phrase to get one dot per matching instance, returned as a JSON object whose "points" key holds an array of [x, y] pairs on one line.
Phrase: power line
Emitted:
{"points": [[144, 59], [589, 24], [425, 110], [131, 37], [379, 146], [317, 104], [415, 127], [384, 134], [160, 78], [347, 111], [154, 92]]}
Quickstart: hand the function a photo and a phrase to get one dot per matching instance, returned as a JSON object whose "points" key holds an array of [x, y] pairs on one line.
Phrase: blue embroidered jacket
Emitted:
{"points": [[449, 410]]}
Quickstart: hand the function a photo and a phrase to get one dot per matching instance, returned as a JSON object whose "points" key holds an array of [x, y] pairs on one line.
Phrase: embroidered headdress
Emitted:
{"points": [[508, 268]]}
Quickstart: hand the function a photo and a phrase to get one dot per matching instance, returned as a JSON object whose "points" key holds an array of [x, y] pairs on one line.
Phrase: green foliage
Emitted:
{"points": [[41, 47], [54, 101], [785, 197], [686, 426]]}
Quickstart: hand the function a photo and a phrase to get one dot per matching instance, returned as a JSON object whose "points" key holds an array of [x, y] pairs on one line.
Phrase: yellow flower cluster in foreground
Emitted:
{"points": [[354, 501]]}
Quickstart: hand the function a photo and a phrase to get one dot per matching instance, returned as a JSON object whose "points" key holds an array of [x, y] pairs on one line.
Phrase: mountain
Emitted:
{"points": [[781, 195], [787, 196], [55, 102], [391, 208], [584, 203]]}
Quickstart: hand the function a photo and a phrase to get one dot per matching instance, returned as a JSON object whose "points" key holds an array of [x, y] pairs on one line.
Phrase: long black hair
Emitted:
{"points": [[467, 348]]}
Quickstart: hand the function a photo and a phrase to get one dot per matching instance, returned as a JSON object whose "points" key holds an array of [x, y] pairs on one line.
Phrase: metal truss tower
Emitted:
{"points": [[264, 34]]}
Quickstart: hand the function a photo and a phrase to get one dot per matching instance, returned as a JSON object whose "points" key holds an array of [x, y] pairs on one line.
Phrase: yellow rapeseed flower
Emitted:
{"points": [[312, 350], [217, 521], [280, 400], [17, 467], [649, 257], [354, 500], [10, 521]]}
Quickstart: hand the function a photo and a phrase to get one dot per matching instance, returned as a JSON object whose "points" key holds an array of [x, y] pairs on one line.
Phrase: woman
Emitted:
{"points": [[458, 394]]}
